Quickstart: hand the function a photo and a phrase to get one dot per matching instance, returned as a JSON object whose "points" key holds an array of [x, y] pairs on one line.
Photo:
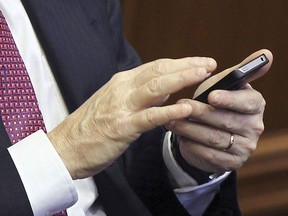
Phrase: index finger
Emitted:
{"points": [[162, 67]]}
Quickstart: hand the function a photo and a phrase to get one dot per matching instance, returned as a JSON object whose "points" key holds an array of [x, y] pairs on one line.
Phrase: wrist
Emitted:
{"points": [[200, 176], [63, 152]]}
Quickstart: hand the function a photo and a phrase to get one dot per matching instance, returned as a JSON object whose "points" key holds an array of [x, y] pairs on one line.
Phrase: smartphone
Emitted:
{"points": [[236, 78]]}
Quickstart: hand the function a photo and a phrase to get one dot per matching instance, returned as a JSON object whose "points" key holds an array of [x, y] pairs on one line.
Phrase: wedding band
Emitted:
{"points": [[231, 142]]}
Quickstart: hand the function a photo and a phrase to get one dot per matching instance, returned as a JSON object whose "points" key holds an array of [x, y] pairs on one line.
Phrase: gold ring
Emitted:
{"points": [[231, 142]]}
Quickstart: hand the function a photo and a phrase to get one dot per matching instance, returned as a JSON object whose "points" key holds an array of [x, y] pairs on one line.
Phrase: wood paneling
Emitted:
{"points": [[223, 29], [263, 181]]}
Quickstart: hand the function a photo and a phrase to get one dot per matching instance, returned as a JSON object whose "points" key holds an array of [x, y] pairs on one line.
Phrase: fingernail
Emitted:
{"points": [[217, 99], [210, 61]]}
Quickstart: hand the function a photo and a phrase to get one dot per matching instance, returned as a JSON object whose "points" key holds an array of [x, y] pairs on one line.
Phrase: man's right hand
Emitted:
{"points": [[99, 131]]}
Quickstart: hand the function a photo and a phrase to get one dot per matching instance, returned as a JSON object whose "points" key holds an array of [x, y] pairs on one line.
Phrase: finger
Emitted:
{"points": [[245, 100], [159, 88], [209, 82], [167, 66], [259, 73], [206, 135], [262, 70], [209, 159], [225, 119], [156, 116]]}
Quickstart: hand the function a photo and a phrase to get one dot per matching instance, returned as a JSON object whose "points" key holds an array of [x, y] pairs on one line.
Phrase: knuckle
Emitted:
{"points": [[201, 110], [159, 67], [192, 61], [228, 120], [250, 147], [154, 86], [171, 114], [250, 106], [118, 76], [118, 128], [182, 77], [262, 105], [259, 128], [256, 126], [151, 118], [199, 72], [237, 162], [210, 156], [255, 105], [216, 138], [201, 61], [195, 61]]}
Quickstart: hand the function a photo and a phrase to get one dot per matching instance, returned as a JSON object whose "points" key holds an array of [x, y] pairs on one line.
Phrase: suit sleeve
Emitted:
{"points": [[13, 199], [34, 180]]}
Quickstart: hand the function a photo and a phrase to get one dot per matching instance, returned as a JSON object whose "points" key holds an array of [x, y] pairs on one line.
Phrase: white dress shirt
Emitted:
{"points": [[46, 180]]}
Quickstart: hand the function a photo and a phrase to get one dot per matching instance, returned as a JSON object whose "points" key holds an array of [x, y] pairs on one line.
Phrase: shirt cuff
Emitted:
{"points": [[194, 198], [47, 182], [185, 181]]}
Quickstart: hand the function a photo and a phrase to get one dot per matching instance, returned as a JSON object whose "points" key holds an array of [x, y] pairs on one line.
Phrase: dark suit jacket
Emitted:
{"points": [[84, 45]]}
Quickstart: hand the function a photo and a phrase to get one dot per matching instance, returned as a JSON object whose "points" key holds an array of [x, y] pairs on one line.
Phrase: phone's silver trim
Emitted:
{"points": [[254, 63]]}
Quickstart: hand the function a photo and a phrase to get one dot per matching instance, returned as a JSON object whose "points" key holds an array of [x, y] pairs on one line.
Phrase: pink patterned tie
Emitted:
{"points": [[20, 113]]}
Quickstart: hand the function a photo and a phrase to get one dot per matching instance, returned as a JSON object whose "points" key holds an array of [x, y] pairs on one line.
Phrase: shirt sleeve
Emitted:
{"points": [[47, 182], [194, 198]]}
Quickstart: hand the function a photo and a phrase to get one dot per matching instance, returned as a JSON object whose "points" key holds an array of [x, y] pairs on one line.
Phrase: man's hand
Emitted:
{"points": [[204, 136], [100, 130]]}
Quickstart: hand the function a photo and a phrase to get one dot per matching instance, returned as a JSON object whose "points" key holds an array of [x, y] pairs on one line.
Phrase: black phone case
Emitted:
{"points": [[233, 80]]}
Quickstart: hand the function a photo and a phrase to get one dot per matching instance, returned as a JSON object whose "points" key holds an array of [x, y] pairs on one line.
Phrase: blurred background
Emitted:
{"points": [[228, 31]]}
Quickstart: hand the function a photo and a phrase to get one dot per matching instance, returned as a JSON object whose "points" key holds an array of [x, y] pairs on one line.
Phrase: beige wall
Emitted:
{"points": [[228, 31]]}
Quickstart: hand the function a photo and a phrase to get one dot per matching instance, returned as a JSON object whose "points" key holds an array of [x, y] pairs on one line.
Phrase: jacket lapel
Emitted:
{"points": [[5, 141]]}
